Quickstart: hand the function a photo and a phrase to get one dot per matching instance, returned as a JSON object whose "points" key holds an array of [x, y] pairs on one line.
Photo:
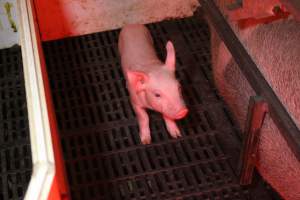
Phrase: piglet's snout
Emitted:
{"points": [[182, 113]]}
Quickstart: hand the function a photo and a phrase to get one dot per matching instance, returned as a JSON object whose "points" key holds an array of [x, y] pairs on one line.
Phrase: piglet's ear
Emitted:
{"points": [[137, 79], [171, 58]]}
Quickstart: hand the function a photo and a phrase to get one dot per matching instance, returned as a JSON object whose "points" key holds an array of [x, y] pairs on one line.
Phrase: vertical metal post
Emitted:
{"points": [[256, 113]]}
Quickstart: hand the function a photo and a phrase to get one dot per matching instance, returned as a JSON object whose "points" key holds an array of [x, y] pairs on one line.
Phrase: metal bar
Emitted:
{"points": [[277, 111], [256, 114]]}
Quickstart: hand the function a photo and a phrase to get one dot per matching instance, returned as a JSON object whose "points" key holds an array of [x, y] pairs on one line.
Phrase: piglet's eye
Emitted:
{"points": [[157, 95]]}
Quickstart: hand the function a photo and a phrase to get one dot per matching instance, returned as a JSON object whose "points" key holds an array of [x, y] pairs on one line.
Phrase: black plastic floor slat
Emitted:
{"points": [[99, 133], [15, 151]]}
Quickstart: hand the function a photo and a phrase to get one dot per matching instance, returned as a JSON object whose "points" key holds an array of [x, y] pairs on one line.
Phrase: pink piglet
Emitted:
{"points": [[151, 83]]}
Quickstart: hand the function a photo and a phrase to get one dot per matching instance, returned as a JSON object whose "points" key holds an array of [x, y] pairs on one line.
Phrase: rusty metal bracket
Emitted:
{"points": [[256, 114]]}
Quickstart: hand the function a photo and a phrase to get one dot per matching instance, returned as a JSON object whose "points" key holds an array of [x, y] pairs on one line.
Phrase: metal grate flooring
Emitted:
{"points": [[99, 134], [15, 152]]}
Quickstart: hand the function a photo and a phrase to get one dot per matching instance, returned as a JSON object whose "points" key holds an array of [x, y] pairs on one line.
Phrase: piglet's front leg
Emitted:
{"points": [[172, 128], [143, 121]]}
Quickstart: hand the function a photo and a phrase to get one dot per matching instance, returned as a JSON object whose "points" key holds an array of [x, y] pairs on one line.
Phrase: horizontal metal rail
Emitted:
{"points": [[277, 111]]}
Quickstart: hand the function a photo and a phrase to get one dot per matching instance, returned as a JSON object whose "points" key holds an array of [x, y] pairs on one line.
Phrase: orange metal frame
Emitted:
{"points": [[59, 189]]}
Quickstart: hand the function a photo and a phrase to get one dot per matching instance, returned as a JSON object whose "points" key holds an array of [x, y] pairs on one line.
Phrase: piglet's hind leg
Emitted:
{"points": [[143, 121]]}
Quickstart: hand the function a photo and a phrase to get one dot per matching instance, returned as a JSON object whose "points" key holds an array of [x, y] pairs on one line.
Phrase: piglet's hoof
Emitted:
{"points": [[174, 130], [145, 138]]}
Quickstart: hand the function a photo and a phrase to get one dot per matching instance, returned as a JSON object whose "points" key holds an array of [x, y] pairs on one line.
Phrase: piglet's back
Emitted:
{"points": [[136, 48]]}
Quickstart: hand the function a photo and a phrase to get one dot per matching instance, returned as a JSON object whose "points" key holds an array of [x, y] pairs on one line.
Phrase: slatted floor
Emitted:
{"points": [[99, 133], [15, 152]]}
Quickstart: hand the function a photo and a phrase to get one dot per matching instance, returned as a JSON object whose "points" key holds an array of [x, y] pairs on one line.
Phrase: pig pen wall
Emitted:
{"points": [[63, 18]]}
